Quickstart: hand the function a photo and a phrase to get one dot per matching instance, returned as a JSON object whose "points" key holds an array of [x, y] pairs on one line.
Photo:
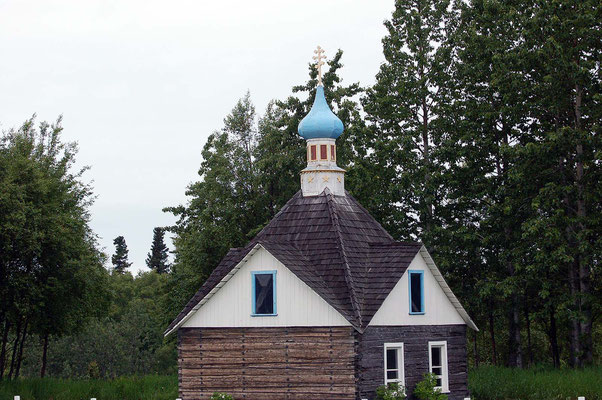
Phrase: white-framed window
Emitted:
{"points": [[438, 364], [394, 363]]}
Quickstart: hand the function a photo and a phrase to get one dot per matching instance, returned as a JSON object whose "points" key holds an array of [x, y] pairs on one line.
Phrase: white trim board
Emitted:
{"points": [[452, 297]]}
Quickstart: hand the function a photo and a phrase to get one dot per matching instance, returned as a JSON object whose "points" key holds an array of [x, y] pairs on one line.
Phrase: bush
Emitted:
{"points": [[221, 396], [425, 389], [393, 391]]}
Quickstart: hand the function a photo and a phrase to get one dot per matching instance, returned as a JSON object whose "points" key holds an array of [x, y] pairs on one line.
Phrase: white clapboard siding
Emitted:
{"points": [[296, 303], [438, 308]]}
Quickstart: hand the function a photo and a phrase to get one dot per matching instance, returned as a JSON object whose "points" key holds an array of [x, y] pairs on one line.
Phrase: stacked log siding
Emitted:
{"points": [[416, 357], [267, 363]]}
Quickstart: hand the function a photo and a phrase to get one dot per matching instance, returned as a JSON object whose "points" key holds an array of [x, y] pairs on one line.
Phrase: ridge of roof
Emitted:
{"points": [[347, 269]]}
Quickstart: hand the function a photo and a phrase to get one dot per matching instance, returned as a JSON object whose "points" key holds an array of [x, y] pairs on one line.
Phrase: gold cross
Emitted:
{"points": [[319, 57], [339, 178], [310, 179], [325, 178]]}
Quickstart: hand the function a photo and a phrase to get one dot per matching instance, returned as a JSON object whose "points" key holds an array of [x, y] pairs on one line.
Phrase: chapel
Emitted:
{"points": [[323, 303]]}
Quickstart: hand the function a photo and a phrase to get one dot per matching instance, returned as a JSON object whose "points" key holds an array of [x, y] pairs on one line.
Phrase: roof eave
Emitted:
{"points": [[446, 289], [217, 287]]}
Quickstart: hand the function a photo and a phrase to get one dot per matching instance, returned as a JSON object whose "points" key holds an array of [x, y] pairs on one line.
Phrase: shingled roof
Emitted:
{"points": [[334, 246]]}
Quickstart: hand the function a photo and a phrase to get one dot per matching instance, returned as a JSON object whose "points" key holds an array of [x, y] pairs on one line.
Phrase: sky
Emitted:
{"points": [[142, 84]]}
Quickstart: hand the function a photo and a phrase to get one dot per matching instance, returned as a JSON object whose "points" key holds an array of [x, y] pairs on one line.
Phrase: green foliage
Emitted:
{"points": [[497, 383], [221, 396], [51, 276], [158, 259], [120, 258], [133, 327], [150, 387], [93, 370], [391, 391], [426, 389]]}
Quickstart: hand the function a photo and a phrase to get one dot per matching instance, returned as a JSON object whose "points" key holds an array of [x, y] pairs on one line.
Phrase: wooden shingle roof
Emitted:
{"points": [[334, 246]]}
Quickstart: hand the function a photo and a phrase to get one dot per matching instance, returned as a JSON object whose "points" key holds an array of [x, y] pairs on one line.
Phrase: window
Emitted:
{"points": [[264, 293], [323, 152], [416, 285], [332, 152], [313, 152], [438, 364], [394, 363]]}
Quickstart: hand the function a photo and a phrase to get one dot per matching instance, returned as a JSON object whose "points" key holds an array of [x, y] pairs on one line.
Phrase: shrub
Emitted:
{"points": [[425, 389], [93, 370], [393, 391], [221, 396]]}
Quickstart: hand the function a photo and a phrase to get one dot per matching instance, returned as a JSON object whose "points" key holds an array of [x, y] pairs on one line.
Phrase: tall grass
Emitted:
{"points": [[151, 387], [485, 383], [497, 383]]}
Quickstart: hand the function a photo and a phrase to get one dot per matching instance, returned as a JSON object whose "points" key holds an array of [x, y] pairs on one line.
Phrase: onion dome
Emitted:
{"points": [[320, 123]]}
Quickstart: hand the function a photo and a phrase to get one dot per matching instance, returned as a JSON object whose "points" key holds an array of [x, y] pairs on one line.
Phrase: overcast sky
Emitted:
{"points": [[141, 84]]}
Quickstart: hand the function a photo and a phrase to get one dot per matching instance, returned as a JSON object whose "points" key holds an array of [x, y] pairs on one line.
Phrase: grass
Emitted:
{"points": [[497, 383], [151, 387], [486, 383]]}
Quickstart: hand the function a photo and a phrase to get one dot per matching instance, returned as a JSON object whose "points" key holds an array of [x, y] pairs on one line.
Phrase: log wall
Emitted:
{"points": [[267, 363], [416, 357]]}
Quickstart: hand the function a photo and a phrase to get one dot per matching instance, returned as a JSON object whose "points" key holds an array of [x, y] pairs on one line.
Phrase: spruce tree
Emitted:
{"points": [[405, 111], [120, 258], [157, 258]]}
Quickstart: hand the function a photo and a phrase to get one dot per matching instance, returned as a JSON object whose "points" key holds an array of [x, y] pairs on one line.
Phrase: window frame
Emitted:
{"points": [[444, 366], [400, 363], [423, 308], [254, 299], [324, 152], [313, 152], [333, 153]]}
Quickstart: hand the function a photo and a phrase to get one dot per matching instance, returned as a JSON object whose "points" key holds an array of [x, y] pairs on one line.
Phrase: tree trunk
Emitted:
{"points": [[427, 169], [575, 334], [514, 339], [528, 326], [492, 334], [20, 357], [586, 323], [15, 347], [553, 335], [44, 355], [3, 348], [515, 356], [476, 350]]}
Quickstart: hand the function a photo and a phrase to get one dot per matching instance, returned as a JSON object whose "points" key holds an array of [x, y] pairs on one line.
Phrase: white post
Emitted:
{"points": [[17, 397], [581, 398], [93, 398], [466, 398]]}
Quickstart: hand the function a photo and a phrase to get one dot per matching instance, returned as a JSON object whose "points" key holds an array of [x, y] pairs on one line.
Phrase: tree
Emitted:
{"points": [[51, 275], [158, 259], [405, 109], [120, 258], [562, 49]]}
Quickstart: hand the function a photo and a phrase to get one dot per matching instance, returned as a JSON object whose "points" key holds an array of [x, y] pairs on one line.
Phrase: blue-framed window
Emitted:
{"points": [[416, 286], [263, 293]]}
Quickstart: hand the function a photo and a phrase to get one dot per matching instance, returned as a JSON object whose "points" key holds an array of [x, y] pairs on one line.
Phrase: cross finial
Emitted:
{"points": [[319, 57]]}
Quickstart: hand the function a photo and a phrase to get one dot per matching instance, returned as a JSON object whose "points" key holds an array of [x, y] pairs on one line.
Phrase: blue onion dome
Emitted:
{"points": [[320, 123]]}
